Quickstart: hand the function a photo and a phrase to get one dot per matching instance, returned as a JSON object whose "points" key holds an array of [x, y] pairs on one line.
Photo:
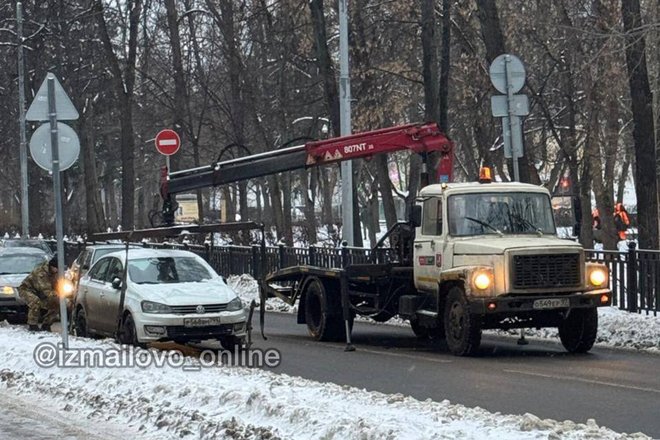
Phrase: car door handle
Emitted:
{"points": [[418, 245]]}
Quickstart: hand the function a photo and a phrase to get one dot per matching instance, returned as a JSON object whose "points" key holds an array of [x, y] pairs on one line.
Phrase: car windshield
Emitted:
{"points": [[168, 270], [500, 213], [19, 263]]}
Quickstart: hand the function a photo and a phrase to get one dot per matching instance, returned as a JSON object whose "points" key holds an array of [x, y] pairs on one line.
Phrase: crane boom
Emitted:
{"points": [[423, 139], [420, 138]]}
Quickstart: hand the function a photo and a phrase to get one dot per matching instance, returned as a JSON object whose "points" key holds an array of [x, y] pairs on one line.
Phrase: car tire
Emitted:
{"points": [[80, 323], [323, 313], [462, 328], [128, 333], [579, 330]]}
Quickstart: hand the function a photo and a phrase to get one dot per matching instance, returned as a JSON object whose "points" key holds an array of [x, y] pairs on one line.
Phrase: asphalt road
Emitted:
{"points": [[620, 389]]}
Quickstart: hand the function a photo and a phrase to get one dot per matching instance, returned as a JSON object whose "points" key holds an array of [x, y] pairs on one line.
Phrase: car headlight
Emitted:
{"points": [[598, 277], [482, 280], [154, 307], [65, 288], [8, 290], [235, 305]]}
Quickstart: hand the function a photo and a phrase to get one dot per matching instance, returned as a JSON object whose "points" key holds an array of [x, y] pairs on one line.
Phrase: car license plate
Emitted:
{"points": [[551, 303], [200, 322]]}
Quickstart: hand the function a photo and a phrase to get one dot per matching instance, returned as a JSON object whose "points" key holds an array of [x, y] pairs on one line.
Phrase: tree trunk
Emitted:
{"points": [[385, 188], [123, 84], [443, 88], [643, 128], [94, 207], [181, 105], [324, 63], [310, 215]]}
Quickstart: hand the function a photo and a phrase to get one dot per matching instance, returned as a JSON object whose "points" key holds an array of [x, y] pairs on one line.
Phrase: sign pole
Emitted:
{"points": [[21, 122], [512, 118], [52, 113], [345, 125]]}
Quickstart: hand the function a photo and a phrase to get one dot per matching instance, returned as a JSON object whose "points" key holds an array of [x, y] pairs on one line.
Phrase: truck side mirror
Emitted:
{"points": [[416, 215]]}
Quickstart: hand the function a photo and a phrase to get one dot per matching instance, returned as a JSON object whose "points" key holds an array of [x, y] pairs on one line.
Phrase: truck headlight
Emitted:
{"points": [[482, 279], [154, 307], [234, 305], [598, 277]]}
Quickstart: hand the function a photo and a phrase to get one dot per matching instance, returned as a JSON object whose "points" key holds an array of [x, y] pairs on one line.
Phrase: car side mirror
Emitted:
{"points": [[116, 283], [416, 216]]}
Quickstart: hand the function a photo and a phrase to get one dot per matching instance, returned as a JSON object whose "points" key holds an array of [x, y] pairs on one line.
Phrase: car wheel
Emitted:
{"points": [[578, 331], [80, 323], [462, 328], [128, 333]]}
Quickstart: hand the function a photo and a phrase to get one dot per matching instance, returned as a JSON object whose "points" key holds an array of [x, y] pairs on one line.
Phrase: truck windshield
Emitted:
{"points": [[500, 213]]}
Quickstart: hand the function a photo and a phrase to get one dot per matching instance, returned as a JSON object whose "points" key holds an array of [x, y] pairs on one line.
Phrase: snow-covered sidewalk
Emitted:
{"points": [[240, 403], [617, 328]]}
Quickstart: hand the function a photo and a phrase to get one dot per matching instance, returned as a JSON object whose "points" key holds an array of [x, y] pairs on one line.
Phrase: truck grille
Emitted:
{"points": [[546, 271]]}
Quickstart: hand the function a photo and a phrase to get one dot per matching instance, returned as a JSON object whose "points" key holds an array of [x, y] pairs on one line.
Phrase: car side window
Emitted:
{"points": [[99, 270], [432, 217], [87, 262], [116, 270]]}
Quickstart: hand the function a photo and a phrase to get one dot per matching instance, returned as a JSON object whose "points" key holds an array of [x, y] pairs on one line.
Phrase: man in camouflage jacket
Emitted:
{"points": [[38, 292]]}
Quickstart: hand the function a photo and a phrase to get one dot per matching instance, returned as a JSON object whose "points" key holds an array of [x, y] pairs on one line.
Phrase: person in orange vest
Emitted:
{"points": [[595, 215], [621, 220]]}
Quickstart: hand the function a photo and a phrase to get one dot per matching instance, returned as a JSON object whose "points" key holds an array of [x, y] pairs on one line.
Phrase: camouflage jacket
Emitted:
{"points": [[40, 282]]}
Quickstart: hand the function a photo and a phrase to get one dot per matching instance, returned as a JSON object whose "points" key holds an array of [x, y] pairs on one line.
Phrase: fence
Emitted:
{"points": [[634, 274]]}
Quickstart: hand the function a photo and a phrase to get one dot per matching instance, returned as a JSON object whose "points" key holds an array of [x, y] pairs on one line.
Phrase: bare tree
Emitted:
{"points": [[643, 127]]}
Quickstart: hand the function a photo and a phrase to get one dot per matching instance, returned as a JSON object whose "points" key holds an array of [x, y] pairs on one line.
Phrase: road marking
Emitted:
{"points": [[579, 379]]}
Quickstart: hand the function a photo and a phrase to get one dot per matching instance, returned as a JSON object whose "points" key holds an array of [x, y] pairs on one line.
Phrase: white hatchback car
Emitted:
{"points": [[170, 295]]}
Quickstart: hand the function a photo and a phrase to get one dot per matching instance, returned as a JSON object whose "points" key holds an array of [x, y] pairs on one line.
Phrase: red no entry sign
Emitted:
{"points": [[167, 142]]}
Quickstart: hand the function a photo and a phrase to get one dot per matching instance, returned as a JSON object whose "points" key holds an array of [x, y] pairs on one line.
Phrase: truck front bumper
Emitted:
{"points": [[514, 304]]}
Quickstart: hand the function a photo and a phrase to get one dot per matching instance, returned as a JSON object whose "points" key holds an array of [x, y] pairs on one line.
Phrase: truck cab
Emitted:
{"points": [[487, 256]]}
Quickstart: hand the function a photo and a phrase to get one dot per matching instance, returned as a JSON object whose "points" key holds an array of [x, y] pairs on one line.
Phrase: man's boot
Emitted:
{"points": [[34, 328]]}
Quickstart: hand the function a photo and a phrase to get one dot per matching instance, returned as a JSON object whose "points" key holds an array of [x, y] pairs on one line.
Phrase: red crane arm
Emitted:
{"points": [[425, 138], [420, 138]]}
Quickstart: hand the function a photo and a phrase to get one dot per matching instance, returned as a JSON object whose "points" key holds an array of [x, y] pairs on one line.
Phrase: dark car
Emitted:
{"points": [[15, 264], [29, 243]]}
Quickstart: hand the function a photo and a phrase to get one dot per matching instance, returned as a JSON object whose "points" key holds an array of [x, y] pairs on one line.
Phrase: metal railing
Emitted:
{"points": [[634, 274]]}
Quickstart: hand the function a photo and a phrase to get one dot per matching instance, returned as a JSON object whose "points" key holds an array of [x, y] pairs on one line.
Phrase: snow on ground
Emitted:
{"points": [[617, 328], [240, 403]]}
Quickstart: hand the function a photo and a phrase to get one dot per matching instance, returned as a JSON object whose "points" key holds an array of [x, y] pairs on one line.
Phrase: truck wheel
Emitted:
{"points": [[578, 331], [323, 313], [462, 329]]}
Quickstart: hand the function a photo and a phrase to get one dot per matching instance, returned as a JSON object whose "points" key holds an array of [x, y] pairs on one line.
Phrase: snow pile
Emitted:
{"points": [[241, 403], [617, 328], [247, 289]]}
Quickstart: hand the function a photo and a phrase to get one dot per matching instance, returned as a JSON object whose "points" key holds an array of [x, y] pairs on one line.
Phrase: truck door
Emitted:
{"points": [[428, 246]]}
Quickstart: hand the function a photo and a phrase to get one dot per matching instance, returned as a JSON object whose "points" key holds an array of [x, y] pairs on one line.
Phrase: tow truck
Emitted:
{"points": [[472, 256]]}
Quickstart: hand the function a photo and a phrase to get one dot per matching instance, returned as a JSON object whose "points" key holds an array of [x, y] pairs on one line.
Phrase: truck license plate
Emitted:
{"points": [[551, 303], [200, 322]]}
